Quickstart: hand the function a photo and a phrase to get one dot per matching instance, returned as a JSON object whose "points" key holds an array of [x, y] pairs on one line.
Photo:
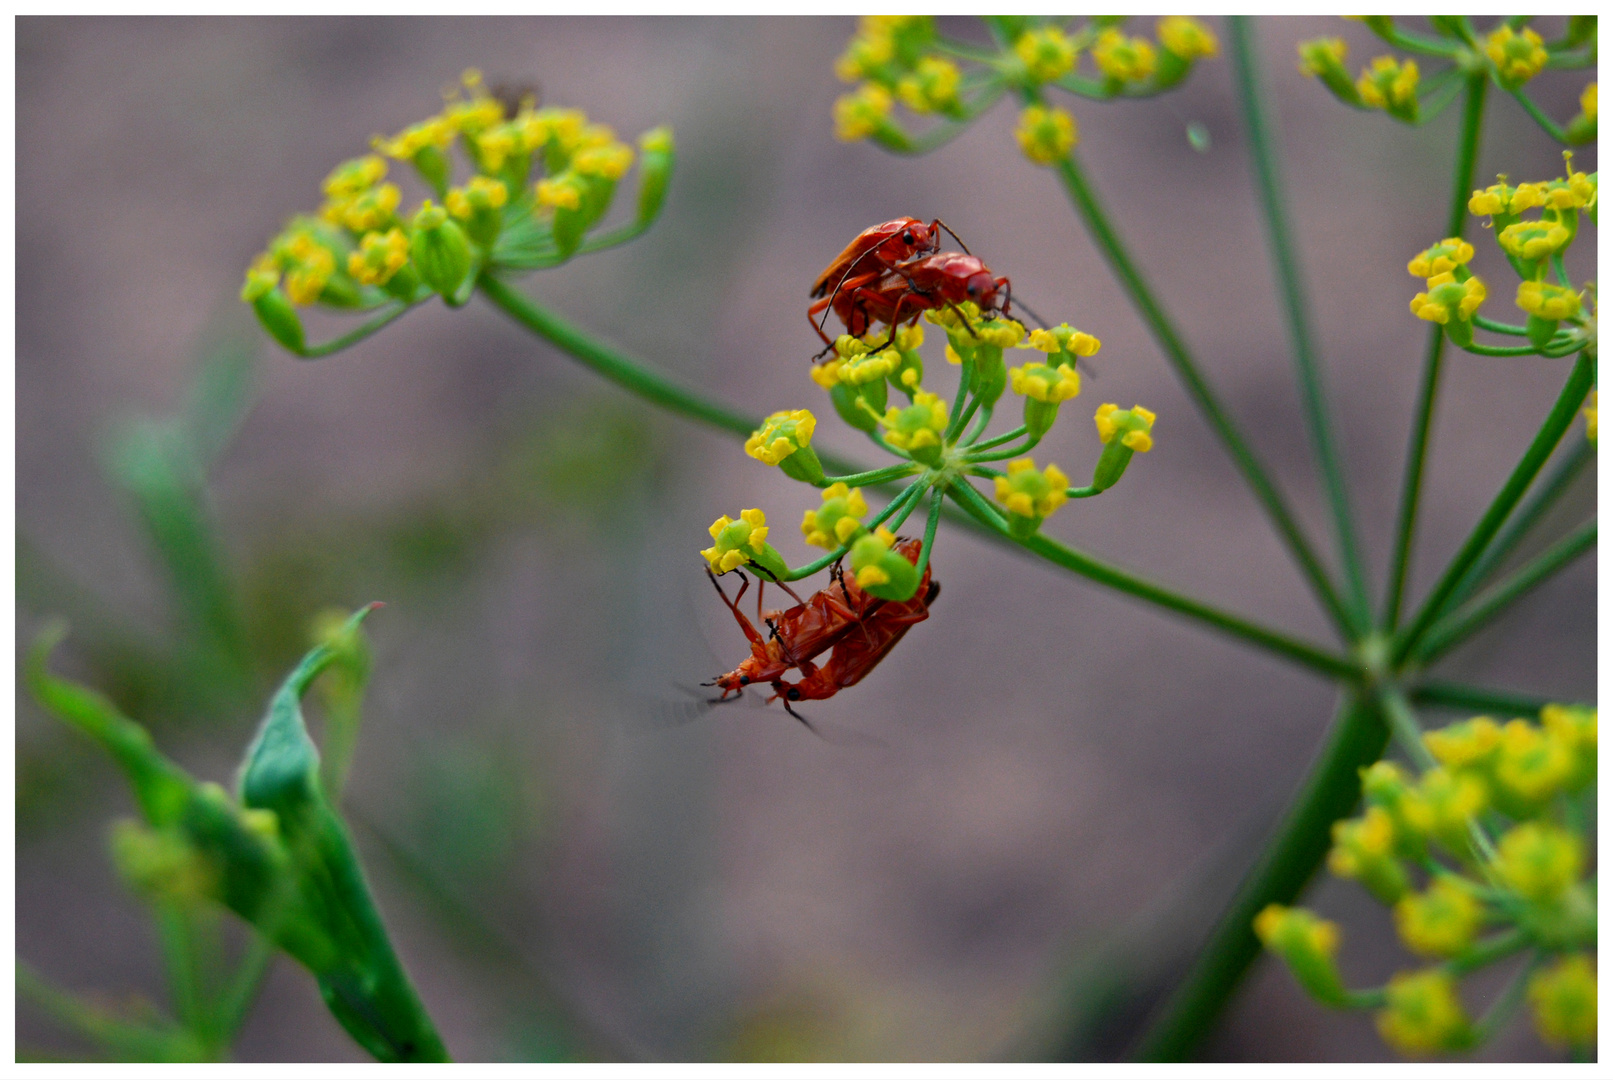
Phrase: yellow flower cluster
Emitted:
{"points": [[363, 250], [1532, 876], [892, 58]]}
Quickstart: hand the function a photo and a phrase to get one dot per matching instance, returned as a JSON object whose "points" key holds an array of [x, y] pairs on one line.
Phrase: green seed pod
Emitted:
{"points": [[440, 250], [434, 168], [847, 402]]}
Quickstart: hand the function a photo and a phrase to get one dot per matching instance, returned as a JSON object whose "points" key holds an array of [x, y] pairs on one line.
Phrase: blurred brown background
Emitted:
{"points": [[544, 838]]}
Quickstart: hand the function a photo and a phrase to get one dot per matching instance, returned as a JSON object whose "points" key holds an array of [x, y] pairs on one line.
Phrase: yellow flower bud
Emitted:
{"points": [[1441, 921], [1539, 861], [931, 85], [1534, 240], [1122, 58], [1046, 53], [1518, 56], [1046, 135], [1563, 997], [1186, 37], [1547, 301], [1031, 496], [1364, 849], [837, 521], [1443, 258], [1425, 1015], [862, 112], [379, 257]]}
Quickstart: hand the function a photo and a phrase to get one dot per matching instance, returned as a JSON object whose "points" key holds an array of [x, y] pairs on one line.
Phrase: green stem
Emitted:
{"points": [[1562, 478], [1329, 792], [352, 337], [874, 476], [1296, 309], [1499, 327], [999, 455], [1006, 437], [982, 421], [1488, 952], [963, 421], [1551, 431], [1103, 573], [243, 988], [1411, 486], [1404, 726], [936, 502], [1497, 1015], [618, 367], [1546, 123], [182, 961], [1142, 298], [1560, 270], [1460, 625], [1501, 350], [1452, 695], [955, 417], [1082, 492]]}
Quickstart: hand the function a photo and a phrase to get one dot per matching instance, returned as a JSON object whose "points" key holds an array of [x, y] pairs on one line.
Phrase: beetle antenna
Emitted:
{"points": [[952, 234]]}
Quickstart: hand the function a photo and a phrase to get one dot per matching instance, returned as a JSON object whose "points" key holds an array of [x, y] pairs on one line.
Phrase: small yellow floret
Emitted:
{"points": [[931, 85], [1538, 860], [1546, 301], [1563, 997], [1388, 83], [1042, 383], [1500, 198], [1133, 426], [1518, 56], [379, 257], [1534, 239], [1125, 59], [563, 192], [1186, 37], [1448, 298], [1425, 1015], [1046, 53], [1046, 135], [1441, 921], [781, 435], [862, 112], [1442, 258]]}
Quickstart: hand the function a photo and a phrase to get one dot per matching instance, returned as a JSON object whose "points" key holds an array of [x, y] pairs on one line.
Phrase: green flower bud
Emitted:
{"points": [[1324, 58], [1307, 945], [882, 571], [1364, 849], [657, 156], [279, 319], [441, 251]]}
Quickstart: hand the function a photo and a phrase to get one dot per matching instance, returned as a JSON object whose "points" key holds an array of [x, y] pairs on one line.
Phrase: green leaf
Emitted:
{"points": [[365, 987]]}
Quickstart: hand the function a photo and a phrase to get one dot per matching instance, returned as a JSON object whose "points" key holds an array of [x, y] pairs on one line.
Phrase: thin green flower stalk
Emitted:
{"points": [[532, 187], [1481, 854]]}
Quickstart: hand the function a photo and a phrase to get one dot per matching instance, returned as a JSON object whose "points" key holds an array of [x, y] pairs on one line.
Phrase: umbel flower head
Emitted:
{"points": [[1046, 53], [1451, 303], [917, 428]]}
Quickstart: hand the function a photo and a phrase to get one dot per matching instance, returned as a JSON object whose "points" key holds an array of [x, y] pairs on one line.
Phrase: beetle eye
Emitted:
{"points": [[744, 680], [907, 237], [795, 694]]}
